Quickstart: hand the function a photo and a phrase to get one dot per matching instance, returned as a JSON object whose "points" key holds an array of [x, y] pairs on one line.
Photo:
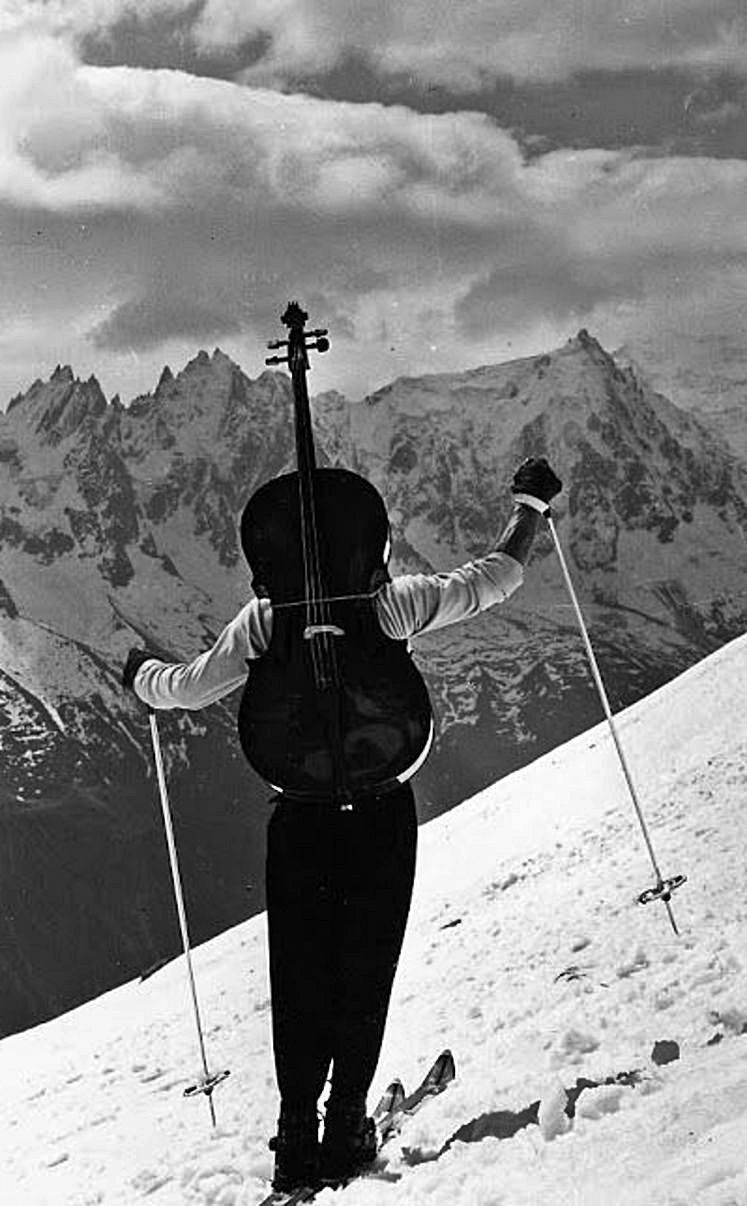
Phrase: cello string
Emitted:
{"points": [[322, 653], [316, 612], [369, 594], [311, 565], [296, 367]]}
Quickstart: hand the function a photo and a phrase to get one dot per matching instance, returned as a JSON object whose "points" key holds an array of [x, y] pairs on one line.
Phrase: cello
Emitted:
{"points": [[334, 709]]}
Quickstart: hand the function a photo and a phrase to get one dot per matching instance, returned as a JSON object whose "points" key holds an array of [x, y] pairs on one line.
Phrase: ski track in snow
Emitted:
{"points": [[527, 954]]}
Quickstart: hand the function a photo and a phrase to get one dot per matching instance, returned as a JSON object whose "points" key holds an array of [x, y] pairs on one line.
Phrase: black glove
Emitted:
{"points": [[535, 479], [135, 659]]}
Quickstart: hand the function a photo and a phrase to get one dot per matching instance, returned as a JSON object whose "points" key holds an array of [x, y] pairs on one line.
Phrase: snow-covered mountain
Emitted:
{"points": [[704, 375], [118, 527], [526, 954]]}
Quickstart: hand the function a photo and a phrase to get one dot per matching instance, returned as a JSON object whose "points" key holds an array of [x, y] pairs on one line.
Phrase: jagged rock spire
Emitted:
{"points": [[54, 409]]}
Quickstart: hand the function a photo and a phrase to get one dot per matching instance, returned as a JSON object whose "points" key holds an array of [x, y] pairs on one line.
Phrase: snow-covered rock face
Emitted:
{"points": [[118, 528], [652, 518], [708, 377]]}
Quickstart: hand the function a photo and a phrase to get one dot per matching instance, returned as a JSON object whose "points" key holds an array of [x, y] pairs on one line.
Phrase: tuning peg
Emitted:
{"points": [[277, 343], [321, 345], [276, 360]]}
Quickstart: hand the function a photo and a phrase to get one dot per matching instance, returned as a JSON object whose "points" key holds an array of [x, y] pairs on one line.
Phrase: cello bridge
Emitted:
{"points": [[312, 630]]}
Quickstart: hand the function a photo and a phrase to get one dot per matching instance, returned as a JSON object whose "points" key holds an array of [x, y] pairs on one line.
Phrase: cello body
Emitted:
{"points": [[335, 708], [368, 726]]}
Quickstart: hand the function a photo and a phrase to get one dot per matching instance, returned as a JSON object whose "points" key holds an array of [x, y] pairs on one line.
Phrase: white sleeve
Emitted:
{"points": [[214, 673], [415, 603]]}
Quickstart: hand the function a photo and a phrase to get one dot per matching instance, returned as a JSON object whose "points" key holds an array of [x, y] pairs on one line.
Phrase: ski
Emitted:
{"points": [[293, 1198], [390, 1101], [389, 1115], [438, 1077]]}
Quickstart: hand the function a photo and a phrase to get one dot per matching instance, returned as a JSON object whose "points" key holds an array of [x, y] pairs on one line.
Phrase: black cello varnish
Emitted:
{"points": [[334, 709]]}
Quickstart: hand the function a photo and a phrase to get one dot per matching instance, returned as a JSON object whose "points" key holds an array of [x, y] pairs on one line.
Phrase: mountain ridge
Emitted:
{"points": [[119, 527]]}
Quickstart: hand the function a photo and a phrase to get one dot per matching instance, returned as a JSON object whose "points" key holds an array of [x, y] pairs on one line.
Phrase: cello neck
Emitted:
{"points": [[317, 612], [298, 363], [297, 360]]}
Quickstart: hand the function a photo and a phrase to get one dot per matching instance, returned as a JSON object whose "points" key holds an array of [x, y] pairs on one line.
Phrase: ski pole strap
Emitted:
{"points": [[530, 500]]}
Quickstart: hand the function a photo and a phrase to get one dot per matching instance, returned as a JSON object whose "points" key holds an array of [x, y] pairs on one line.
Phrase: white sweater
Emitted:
{"points": [[410, 604]]}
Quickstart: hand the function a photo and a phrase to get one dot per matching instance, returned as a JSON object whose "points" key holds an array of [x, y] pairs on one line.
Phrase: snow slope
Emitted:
{"points": [[527, 954]]}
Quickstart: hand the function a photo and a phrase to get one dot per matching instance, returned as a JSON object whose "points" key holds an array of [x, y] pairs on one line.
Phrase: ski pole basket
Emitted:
{"points": [[662, 890], [207, 1083]]}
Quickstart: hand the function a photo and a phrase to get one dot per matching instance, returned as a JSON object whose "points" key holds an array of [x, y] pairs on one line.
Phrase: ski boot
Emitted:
{"points": [[349, 1143], [296, 1148]]}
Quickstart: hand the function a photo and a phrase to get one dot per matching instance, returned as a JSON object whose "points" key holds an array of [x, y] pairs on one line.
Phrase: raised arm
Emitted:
{"points": [[419, 603], [534, 486]]}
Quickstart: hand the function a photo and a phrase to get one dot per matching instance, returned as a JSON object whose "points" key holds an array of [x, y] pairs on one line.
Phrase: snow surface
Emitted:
{"points": [[527, 954]]}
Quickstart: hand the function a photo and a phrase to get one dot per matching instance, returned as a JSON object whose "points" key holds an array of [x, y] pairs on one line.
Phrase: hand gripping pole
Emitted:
{"points": [[663, 888], [208, 1081]]}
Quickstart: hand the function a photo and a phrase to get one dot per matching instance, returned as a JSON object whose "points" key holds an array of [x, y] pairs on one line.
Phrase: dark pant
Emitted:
{"points": [[338, 893]]}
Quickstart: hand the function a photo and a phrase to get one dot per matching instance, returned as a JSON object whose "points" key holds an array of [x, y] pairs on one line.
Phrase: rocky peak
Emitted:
{"points": [[203, 360], [204, 374], [18, 398], [54, 409], [590, 348], [584, 340], [164, 381]]}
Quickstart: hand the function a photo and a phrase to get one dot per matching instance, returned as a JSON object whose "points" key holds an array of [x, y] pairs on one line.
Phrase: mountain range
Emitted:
{"points": [[118, 527]]}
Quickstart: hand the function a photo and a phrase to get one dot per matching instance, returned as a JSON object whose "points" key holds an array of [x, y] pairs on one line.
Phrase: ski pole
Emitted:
{"points": [[208, 1081], [663, 888]]}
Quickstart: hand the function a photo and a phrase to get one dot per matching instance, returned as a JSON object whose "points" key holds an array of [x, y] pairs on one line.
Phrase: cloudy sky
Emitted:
{"points": [[442, 183]]}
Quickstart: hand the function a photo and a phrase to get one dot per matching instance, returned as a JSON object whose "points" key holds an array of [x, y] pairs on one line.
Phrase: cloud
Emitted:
{"points": [[169, 140], [150, 209], [464, 45], [470, 44], [148, 321], [55, 149], [612, 230], [223, 191]]}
